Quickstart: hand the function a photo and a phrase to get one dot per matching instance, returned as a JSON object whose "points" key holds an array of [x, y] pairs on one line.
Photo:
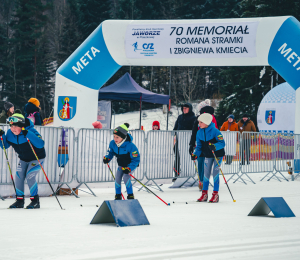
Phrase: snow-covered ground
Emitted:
{"points": [[180, 231], [133, 118]]}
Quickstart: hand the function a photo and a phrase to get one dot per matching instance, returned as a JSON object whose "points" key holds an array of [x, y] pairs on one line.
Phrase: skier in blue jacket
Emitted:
{"points": [[128, 158], [209, 139], [28, 167]]}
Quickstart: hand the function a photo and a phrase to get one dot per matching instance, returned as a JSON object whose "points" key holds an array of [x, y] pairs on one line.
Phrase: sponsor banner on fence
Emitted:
{"points": [[210, 40], [104, 114]]}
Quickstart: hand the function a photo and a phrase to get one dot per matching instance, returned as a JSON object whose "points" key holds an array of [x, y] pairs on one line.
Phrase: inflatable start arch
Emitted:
{"points": [[270, 41]]}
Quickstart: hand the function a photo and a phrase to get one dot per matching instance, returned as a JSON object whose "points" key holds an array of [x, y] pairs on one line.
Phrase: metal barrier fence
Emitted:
{"points": [[285, 151], [296, 165], [162, 152], [231, 162], [60, 156], [59, 163], [160, 155], [183, 163], [92, 146]]}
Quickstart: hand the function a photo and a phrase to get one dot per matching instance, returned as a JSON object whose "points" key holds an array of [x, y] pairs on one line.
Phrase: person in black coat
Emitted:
{"points": [[184, 121], [32, 111]]}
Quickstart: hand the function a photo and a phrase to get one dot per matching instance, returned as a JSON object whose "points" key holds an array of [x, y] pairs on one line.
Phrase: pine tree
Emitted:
{"points": [[71, 36], [6, 8], [92, 14], [28, 51]]}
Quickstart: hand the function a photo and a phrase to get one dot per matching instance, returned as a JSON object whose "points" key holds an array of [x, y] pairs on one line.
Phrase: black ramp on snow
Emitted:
{"points": [[277, 205], [122, 212]]}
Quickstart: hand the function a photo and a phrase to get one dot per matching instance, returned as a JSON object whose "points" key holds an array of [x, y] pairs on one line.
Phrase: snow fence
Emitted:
{"points": [[77, 155]]}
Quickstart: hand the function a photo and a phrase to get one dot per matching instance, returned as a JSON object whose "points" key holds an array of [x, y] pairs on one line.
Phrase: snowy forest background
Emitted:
{"points": [[37, 36]]}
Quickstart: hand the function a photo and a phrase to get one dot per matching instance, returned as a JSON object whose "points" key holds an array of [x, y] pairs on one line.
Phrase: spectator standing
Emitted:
{"points": [[32, 111], [185, 121], [7, 112], [246, 125], [230, 140], [205, 107]]}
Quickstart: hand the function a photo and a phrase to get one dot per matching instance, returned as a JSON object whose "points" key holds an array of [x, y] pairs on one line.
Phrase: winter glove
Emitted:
{"points": [[194, 157], [25, 132], [126, 170], [212, 147], [106, 160], [1, 132], [191, 149]]}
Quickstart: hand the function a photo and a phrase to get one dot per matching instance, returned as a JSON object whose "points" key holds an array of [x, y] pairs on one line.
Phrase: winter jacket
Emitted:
{"points": [[31, 108], [196, 127], [185, 121], [247, 126], [3, 117], [127, 154], [209, 135], [21, 145], [233, 126]]}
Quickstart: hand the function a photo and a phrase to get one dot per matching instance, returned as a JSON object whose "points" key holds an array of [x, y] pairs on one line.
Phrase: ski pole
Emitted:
{"points": [[43, 170], [12, 178], [168, 204], [197, 170], [223, 175], [176, 171], [114, 178]]}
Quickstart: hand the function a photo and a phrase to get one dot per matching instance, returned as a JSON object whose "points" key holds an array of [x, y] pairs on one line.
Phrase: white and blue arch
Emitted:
{"points": [[275, 43]]}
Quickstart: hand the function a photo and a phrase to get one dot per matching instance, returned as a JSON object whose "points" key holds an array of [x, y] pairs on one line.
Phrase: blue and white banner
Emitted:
{"points": [[213, 40]]}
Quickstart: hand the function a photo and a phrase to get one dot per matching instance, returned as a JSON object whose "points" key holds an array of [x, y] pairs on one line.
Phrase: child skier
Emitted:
{"points": [[209, 139], [22, 128], [128, 158]]}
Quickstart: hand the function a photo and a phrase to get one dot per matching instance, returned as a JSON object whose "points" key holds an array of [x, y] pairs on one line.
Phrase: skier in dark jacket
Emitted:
{"points": [[184, 121], [28, 166], [128, 158], [32, 111]]}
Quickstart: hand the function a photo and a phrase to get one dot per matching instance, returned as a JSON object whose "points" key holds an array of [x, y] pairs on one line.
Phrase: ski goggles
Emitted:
{"points": [[14, 120]]}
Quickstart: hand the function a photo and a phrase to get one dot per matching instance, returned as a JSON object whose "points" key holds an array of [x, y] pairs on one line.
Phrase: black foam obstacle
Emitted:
{"points": [[122, 212], [277, 205]]}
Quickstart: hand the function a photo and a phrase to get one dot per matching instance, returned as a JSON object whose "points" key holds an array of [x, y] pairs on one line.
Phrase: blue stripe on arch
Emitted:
{"points": [[91, 65], [284, 54]]}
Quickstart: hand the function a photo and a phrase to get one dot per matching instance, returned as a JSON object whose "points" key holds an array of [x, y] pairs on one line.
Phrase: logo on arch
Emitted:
{"points": [[66, 108], [270, 117]]}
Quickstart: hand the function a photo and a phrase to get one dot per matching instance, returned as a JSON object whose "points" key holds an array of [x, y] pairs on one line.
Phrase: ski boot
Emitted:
{"points": [[203, 197], [118, 197], [215, 197], [130, 196], [18, 204], [35, 203]]}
